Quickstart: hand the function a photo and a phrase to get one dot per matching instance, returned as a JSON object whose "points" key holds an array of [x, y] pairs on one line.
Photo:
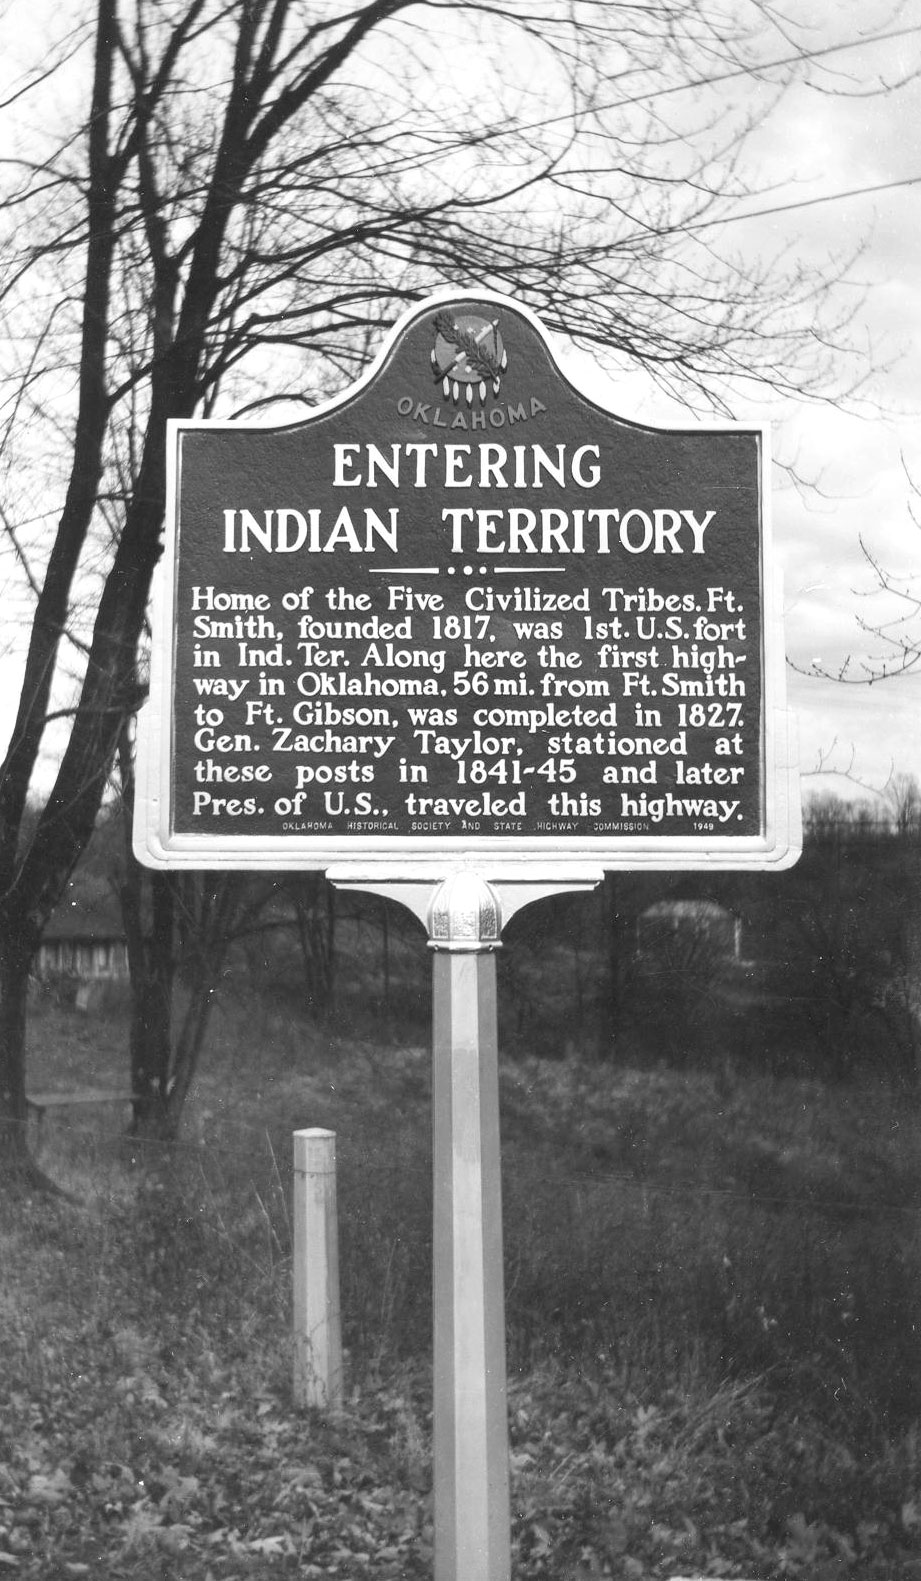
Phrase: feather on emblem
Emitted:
{"points": [[468, 356]]}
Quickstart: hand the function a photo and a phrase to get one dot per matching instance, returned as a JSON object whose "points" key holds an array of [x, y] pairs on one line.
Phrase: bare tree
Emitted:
{"points": [[218, 205], [893, 643], [188, 936], [828, 816], [903, 798]]}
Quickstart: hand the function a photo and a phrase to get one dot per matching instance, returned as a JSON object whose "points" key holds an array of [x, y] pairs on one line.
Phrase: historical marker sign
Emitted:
{"points": [[465, 614], [463, 623]]}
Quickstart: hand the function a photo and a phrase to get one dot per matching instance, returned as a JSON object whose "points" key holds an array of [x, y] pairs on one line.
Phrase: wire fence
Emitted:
{"points": [[264, 1147]]}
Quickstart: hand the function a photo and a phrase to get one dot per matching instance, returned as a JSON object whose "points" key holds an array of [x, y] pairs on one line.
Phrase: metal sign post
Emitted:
{"points": [[465, 637], [465, 916], [471, 1477]]}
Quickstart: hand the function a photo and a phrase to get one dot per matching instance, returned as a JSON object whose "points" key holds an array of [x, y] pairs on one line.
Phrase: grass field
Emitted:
{"points": [[713, 1297]]}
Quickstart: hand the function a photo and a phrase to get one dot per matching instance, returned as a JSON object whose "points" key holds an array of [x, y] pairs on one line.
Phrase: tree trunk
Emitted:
{"points": [[150, 969], [17, 1167], [163, 1057], [385, 952], [314, 913], [615, 937], [189, 919], [14, 989], [150, 962], [186, 1052], [330, 958]]}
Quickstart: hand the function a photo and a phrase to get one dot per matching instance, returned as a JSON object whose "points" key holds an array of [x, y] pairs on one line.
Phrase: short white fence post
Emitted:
{"points": [[317, 1320]]}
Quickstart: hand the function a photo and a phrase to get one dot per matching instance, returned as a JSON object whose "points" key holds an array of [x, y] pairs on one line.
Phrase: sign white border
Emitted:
{"points": [[511, 858]]}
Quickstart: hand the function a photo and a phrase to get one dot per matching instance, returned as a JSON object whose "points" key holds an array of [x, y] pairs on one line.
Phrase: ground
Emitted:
{"points": [[712, 1283]]}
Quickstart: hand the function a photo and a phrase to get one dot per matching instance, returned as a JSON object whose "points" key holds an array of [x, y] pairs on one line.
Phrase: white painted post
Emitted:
{"points": [[317, 1321], [471, 1471]]}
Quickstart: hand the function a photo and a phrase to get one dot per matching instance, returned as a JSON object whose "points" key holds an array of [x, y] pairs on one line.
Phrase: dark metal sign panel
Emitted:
{"points": [[463, 609]]}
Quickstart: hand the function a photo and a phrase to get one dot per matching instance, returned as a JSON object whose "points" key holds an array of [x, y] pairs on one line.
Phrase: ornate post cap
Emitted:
{"points": [[465, 914]]}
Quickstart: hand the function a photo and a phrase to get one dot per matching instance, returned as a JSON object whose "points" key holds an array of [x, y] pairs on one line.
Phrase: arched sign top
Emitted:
{"points": [[514, 359], [464, 616]]}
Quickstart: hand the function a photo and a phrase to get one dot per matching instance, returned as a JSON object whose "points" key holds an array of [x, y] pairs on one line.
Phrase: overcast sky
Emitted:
{"points": [[829, 136], [835, 144]]}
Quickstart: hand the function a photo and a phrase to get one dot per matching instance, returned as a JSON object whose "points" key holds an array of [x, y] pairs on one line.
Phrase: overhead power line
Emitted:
{"points": [[758, 67], [803, 203], [777, 208], [755, 70]]}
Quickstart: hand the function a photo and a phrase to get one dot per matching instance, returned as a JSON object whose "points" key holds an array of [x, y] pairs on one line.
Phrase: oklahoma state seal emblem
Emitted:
{"points": [[468, 356]]}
